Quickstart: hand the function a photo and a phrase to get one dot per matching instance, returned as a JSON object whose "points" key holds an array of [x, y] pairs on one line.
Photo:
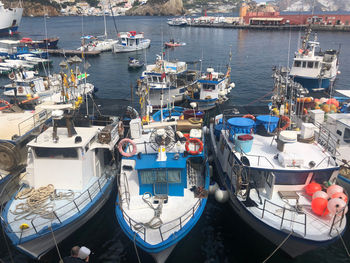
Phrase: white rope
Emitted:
{"points": [[54, 240], [279, 246]]}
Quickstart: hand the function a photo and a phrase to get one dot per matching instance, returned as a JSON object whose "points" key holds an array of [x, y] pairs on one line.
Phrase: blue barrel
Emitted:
{"points": [[266, 123], [243, 142], [240, 125]]}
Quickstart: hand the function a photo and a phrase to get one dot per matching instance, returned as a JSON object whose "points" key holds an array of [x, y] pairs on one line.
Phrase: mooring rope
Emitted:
{"points": [[137, 253], [279, 246], [54, 240]]}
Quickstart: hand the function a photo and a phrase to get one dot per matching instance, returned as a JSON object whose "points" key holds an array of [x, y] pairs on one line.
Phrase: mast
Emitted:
{"points": [[104, 20]]}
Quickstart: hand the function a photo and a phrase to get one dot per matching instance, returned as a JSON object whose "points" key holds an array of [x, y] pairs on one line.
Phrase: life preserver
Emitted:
{"points": [[249, 116], [285, 119], [124, 142], [195, 141], [20, 89], [12, 76], [8, 105]]}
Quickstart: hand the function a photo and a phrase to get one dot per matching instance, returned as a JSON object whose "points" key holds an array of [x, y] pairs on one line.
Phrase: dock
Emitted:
{"points": [[340, 28], [70, 52]]}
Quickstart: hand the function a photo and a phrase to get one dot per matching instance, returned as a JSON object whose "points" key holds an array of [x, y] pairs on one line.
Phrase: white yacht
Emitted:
{"points": [[130, 41]]}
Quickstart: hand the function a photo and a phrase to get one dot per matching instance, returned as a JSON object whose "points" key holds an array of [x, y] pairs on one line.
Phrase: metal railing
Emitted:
{"points": [[66, 210], [33, 122], [135, 226], [327, 139], [283, 217]]}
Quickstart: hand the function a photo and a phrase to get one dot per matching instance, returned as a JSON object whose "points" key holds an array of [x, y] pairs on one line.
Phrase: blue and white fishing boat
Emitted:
{"points": [[211, 89], [131, 41], [266, 173], [162, 188], [10, 18], [69, 176], [312, 68], [169, 79]]}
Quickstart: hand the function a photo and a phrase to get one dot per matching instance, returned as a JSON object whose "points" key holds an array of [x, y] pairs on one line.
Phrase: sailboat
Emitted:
{"points": [[99, 43]]}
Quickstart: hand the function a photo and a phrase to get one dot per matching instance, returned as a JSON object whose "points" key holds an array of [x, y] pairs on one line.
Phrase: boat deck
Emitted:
{"points": [[264, 152]]}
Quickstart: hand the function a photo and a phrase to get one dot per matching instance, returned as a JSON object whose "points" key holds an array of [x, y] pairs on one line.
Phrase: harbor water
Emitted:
{"points": [[219, 236]]}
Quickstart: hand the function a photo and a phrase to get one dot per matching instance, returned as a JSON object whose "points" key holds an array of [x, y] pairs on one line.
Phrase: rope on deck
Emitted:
{"points": [[279, 246]]}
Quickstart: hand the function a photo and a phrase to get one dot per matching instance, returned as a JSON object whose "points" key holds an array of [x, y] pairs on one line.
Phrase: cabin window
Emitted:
{"points": [[316, 64], [160, 176], [297, 63], [56, 153], [310, 64], [304, 64], [346, 137], [285, 178], [208, 86], [339, 132], [155, 79]]}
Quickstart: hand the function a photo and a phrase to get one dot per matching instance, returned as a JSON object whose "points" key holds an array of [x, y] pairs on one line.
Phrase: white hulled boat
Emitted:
{"points": [[312, 68], [72, 169], [10, 18], [162, 189], [267, 176], [131, 41], [210, 89], [169, 79]]}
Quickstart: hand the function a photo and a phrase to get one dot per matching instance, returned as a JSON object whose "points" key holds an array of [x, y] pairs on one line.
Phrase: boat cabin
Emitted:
{"points": [[130, 38], [210, 85]]}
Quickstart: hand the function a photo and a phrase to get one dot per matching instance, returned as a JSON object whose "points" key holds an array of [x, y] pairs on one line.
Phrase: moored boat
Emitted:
{"points": [[134, 63], [10, 18], [130, 41], [46, 43], [163, 184], [69, 176]]}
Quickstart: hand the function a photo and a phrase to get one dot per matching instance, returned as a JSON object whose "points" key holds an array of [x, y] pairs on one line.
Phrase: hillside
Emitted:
{"points": [[320, 5], [36, 7]]}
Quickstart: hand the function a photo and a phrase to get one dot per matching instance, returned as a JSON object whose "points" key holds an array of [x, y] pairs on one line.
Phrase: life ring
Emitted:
{"points": [[20, 89], [195, 141], [285, 119], [125, 142], [12, 76], [8, 105], [249, 116]]}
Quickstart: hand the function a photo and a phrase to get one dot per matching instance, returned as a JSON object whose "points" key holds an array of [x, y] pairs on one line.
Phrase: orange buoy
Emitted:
{"points": [[319, 206], [312, 188]]}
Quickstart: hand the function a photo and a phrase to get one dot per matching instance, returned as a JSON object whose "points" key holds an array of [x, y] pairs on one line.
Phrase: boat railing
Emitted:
{"points": [[33, 122], [327, 139], [53, 217], [177, 223], [285, 213]]}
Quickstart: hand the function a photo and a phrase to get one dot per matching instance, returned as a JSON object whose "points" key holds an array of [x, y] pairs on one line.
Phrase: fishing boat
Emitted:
{"points": [[210, 89], [163, 183], [278, 170], [46, 43], [134, 63], [131, 41], [10, 18], [69, 176], [169, 79], [312, 68], [22, 122]]}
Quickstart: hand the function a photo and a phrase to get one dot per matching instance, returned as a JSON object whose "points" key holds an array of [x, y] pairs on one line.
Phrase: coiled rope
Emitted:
{"points": [[39, 201], [156, 221]]}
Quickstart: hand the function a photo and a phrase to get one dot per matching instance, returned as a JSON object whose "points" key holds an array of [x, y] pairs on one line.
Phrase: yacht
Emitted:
{"points": [[130, 41]]}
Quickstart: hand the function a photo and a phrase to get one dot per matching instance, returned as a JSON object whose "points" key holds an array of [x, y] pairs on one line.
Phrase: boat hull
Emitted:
{"points": [[344, 182], [39, 246], [117, 48], [203, 104], [175, 95], [314, 83], [10, 20], [294, 246]]}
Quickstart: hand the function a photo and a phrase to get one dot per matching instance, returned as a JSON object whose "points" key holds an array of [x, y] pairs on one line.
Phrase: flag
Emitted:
{"points": [[163, 76]]}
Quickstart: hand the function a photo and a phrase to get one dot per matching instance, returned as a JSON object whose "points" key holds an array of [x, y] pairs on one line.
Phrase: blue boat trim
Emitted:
{"points": [[45, 231]]}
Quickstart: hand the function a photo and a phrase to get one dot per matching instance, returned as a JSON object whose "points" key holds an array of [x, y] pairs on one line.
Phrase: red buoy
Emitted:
{"points": [[312, 188], [341, 196], [319, 206]]}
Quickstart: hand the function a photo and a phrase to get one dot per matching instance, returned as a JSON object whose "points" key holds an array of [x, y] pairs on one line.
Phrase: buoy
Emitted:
{"points": [[24, 226], [341, 196], [213, 187], [320, 194], [319, 206], [335, 205], [312, 188], [334, 189], [221, 195]]}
